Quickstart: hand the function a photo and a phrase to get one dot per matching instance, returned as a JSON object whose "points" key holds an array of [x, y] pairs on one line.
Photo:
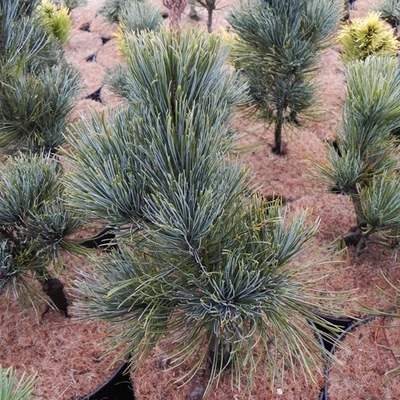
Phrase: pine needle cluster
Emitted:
{"points": [[390, 12], [12, 388], [132, 16], [56, 19], [365, 37], [136, 16], [112, 10]]}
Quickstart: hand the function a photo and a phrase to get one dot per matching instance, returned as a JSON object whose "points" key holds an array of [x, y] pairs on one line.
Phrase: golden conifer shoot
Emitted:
{"points": [[367, 36], [56, 18]]}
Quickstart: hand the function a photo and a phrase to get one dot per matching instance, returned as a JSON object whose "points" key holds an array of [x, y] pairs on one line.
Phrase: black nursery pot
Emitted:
{"points": [[104, 240], [118, 387]]}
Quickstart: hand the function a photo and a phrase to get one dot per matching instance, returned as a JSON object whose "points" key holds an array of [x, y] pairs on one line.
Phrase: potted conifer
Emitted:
{"points": [[364, 162], [37, 90], [203, 259], [34, 227], [276, 51]]}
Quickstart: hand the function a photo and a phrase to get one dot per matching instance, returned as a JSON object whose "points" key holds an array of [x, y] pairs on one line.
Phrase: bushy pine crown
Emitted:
{"points": [[390, 11], [367, 36]]}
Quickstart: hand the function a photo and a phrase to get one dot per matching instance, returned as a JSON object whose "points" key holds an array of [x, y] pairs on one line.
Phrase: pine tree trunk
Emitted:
{"points": [[210, 9], [355, 198], [209, 21], [278, 132], [54, 288], [355, 236], [220, 355]]}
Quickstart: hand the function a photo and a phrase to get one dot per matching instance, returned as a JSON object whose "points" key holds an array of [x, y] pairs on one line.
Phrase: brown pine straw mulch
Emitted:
{"points": [[66, 352], [368, 354]]}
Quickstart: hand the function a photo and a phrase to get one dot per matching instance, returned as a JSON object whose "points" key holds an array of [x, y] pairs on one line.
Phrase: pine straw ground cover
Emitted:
{"points": [[65, 352], [364, 360]]}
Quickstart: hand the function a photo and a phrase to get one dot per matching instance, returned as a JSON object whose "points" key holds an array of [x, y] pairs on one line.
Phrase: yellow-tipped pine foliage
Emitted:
{"points": [[56, 18], [120, 35], [367, 36]]}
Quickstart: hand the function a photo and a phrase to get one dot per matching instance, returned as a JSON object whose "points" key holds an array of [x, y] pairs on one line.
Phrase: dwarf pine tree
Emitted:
{"points": [[276, 51], [365, 163], [203, 260], [36, 92], [34, 227], [37, 87]]}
